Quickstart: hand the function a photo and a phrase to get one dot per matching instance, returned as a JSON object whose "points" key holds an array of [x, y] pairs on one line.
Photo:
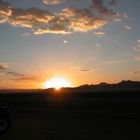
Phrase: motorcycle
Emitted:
{"points": [[4, 119]]}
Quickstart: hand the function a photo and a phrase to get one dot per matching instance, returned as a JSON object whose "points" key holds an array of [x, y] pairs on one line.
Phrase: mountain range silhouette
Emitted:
{"points": [[122, 84]]}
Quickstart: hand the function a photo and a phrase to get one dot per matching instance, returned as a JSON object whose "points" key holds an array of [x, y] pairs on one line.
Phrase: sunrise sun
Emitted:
{"points": [[57, 83]]}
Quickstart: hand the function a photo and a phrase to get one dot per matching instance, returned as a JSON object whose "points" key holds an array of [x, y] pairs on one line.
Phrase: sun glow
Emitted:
{"points": [[57, 83]]}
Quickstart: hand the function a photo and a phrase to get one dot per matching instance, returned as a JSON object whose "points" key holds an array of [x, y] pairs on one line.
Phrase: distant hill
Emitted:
{"points": [[123, 85], [129, 83]]}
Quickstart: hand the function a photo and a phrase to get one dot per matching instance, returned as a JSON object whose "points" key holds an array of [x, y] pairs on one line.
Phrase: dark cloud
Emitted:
{"points": [[17, 75], [23, 77], [82, 69], [99, 6], [112, 2], [134, 72], [28, 78], [85, 70]]}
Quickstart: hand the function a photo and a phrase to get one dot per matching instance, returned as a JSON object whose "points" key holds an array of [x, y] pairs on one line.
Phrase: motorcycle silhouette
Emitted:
{"points": [[4, 119]]}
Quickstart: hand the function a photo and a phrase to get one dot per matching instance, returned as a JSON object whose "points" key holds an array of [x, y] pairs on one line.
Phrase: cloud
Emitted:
{"points": [[112, 62], [17, 75], [29, 17], [52, 2], [117, 20], [5, 11], [57, 2], [65, 42], [134, 72], [3, 66], [137, 46], [28, 78], [71, 20], [137, 58], [23, 77], [112, 2], [138, 41], [25, 34], [99, 34], [68, 20], [119, 17], [98, 45], [55, 29], [85, 70], [127, 27], [81, 20], [124, 15], [55, 26], [87, 23], [99, 6]]}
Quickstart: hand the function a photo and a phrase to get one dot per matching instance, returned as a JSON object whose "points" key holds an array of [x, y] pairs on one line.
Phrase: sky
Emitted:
{"points": [[83, 41]]}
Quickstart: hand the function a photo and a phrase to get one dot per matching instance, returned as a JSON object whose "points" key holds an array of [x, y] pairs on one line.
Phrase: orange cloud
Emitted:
{"points": [[69, 12], [86, 24], [68, 20], [52, 2], [5, 9], [29, 17], [71, 20], [81, 20], [56, 29]]}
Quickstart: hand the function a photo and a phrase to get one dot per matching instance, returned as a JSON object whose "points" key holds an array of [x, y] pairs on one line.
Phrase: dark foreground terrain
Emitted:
{"points": [[73, 116]]}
